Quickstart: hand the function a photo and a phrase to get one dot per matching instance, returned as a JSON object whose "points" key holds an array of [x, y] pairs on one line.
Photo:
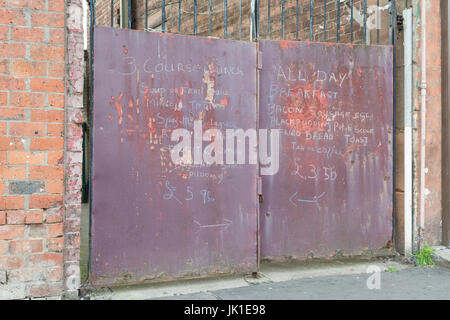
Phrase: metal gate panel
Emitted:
{"points": [[151, 219], [334, 106]]}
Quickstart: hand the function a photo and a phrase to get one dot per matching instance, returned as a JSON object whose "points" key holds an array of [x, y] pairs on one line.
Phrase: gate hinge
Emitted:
{"points": [[400, 22], [259, 60], [260, 196]]}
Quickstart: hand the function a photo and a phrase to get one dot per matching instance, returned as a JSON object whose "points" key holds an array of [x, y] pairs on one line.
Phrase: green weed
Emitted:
{"points": [[423, 258]]}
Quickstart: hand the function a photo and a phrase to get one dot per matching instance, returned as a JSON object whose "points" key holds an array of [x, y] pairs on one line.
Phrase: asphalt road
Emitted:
{"points": [[410, 283]]}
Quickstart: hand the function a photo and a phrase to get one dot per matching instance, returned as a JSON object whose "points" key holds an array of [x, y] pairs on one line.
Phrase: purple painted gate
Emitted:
{"points": [[333, 192], [151, 219]]}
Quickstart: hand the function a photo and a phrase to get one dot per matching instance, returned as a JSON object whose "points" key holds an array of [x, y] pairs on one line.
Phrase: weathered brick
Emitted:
{"points": [[46, 85], [15, 217], [4, 66], [27, 274], [45, 201], [12, 50], [31, 4], [54, 274], [45, 259], [56, 69], [29, 68], [2, 217], [3, 247], [4, 98], [4, 33], [47, 116], [13, 172], [46, 290], [26, 187], [27, 129], [74, 157], [17, 84], [46, 172], [8, 232], [75, 144], [55, 186], [47, 144], [55, 244], [34, 216], [14, 17], [11, 262], [53, 215], [26, 99], [45, 19], [11, 114], [55, 158], [26, 157], [56, 5], [55, 230], [20, 247], [56, 100], [73, 240], [46, 52], [11, 202], [57, 36], [7, 143], [28, 34], [55, 130]]}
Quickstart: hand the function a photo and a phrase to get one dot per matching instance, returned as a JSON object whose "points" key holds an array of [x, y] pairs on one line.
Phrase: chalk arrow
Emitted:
{"points": [[314, 200], [226, 223]]}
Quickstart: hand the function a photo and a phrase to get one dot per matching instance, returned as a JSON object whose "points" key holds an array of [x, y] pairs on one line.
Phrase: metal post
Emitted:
{"points": [[365, 21], [112, 13], [163, 15], [338, 21], [240, 19], [179, 16], [225, 31], [351, 21], [282, 19], [91, 121], [257, 18], [268, 19], [146, 14], [445, 8], [195, 17], [324, 20], [378, 21], [210, 18], [394, 116], [311, 22], [296, 20], [129, 14]]}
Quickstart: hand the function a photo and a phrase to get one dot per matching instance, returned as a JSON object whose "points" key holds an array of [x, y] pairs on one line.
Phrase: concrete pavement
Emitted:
{"points": [[335, 279]]}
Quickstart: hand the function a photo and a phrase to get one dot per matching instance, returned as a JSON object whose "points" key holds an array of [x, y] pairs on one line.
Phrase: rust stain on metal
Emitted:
{"points": [[333, 105], [180, 221]]}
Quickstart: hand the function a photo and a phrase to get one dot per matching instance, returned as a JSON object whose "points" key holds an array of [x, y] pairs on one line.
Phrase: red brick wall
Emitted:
{"points": [[32, 148]]}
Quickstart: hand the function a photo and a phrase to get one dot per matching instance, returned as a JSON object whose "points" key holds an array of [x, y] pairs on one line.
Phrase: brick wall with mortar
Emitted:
{"points": [[39, 212]]}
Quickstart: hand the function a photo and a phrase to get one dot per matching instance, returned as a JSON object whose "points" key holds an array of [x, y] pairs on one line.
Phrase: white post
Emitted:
{"points": [[408, 158]]}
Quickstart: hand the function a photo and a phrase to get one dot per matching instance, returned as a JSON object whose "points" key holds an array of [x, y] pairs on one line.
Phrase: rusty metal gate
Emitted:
{"points": [[333, 106], [152, 219], [156, 220]]}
